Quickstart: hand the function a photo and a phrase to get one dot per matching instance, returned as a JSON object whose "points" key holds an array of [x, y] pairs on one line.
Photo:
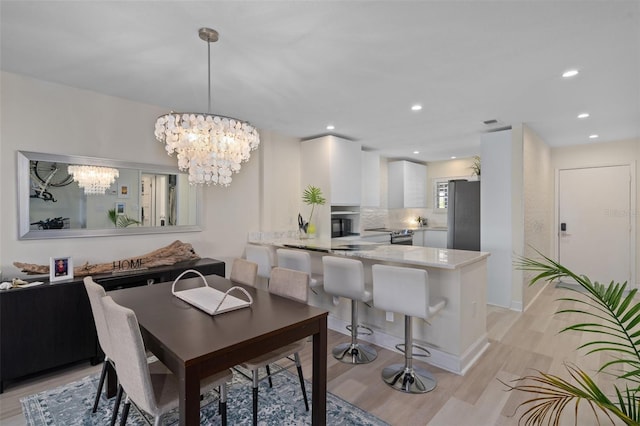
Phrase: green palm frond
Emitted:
{"points": [[312, 195], [617, 314], [554, 394], [124, 221], [113, 216], [612, 315]]}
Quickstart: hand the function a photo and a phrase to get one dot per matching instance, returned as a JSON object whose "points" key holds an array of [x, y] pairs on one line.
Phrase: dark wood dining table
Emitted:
{"points": [[194, 344]]}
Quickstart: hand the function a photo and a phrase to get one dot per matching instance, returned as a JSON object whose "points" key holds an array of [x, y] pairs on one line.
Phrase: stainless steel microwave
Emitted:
{"points": [[340, 227]]}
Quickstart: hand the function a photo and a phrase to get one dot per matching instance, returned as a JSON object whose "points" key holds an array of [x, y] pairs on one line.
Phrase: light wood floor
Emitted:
{"points": [[520, 344]]}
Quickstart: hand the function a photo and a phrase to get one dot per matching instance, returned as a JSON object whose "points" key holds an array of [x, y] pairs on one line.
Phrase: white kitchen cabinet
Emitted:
{"points": [[418, 237], [435, 238], [336, 164], [370, 179], [426, 237], [407, 185]]}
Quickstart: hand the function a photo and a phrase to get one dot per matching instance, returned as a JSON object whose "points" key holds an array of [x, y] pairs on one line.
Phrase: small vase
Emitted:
{"points": [[311, 230]]}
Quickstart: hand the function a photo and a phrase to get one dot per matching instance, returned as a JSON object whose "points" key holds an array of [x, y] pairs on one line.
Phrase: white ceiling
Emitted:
{"points": [[296, 66]]}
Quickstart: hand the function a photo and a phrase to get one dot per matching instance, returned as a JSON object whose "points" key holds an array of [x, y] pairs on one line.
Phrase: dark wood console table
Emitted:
{"points": [[51, 325]]}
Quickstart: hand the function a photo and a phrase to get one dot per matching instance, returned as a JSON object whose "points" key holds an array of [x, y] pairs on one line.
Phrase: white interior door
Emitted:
{"points": [[147, 200], [594, 206]]}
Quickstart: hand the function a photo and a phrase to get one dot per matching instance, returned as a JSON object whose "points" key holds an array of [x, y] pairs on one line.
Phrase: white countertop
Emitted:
{"points": [[410, 255], [429, 228]]}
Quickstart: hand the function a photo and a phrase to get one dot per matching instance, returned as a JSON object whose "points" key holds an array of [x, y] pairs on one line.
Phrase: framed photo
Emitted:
{"points": [[60, 269], [120, 207], [123, 190]]}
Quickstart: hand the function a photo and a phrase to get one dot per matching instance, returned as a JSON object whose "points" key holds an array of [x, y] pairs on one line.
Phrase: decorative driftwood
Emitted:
{"points": [[173, 253]]}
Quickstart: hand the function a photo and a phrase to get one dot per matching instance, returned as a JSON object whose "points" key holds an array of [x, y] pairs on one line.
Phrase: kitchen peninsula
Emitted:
{"points": [[455, 337]]}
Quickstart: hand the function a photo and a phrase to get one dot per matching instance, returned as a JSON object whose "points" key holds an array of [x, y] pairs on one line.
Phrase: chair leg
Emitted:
{"points": [[269, 375], [116, 405], [304, 391], [103, 374], [125, 412], [223, 403], [223, 415], [255, 397]]}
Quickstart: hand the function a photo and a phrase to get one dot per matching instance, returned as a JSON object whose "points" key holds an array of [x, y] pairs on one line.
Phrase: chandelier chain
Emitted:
{"points": [[209, 74]]}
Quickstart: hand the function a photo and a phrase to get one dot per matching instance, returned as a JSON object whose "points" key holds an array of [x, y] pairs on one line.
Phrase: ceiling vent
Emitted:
{"points": [[495, 125]]}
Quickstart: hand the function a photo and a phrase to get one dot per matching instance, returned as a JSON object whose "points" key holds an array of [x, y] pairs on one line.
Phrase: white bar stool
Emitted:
{"points": [[262, 256], [345, 277], [406, 291], [299, 260]]}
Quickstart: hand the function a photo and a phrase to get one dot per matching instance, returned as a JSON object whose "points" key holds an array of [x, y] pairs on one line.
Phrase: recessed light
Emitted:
{"points": [[331, 127], [583, 115], [593, 136], [570, 73], [453, 157], [416, 152], [416, 107]]}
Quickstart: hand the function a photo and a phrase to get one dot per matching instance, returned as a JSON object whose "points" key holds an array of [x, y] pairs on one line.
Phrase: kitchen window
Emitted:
{"points": [[441, 194]]}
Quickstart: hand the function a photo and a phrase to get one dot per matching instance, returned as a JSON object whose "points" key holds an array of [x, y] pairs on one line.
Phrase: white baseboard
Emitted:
{"points": [[438, 358], [516, 305]]}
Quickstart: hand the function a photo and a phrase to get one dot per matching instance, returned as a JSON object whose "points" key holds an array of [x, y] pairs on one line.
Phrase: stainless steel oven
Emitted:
{"points": [[404, 237]]}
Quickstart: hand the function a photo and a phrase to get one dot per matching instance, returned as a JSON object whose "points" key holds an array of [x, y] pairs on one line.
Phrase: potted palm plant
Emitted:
{"points": [[312, 196], [476, 166], [612, 318]]}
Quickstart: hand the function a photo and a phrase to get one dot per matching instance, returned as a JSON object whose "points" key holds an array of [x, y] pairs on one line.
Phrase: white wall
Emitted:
{"points": [[538, 193], [44, 117], [497, 227], [517, 211], [280, 182]]}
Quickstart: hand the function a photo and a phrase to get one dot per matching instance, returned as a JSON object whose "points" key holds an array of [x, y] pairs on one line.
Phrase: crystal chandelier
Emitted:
{"points": [[95, 180], [210, 147]]}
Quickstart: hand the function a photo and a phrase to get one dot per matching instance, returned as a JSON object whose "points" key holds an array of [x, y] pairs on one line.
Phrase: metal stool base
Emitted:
{"points": [[408, 380], [354, 353], [368, 331]]}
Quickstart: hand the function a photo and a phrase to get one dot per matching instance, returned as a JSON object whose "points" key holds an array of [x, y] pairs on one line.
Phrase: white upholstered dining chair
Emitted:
{"points": [[244, 272], [155, 392], [293, 285], [96, 292]]}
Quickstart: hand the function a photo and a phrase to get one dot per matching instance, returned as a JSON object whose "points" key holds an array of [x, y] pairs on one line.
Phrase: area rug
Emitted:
{"points": [[71, 404]]}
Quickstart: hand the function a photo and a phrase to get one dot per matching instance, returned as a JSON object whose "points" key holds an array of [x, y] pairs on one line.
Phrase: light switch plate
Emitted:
{"points": [[390, 316]]}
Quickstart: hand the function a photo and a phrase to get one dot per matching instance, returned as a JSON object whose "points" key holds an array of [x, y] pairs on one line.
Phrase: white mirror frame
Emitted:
{"points": [[24, 189]]}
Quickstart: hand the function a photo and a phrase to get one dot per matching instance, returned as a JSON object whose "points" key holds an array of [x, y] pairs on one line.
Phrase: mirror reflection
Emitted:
{"points": [[69, 196]]}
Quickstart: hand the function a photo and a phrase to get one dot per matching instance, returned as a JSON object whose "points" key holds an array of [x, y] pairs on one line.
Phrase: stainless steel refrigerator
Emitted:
{"points": [[463, 215]]}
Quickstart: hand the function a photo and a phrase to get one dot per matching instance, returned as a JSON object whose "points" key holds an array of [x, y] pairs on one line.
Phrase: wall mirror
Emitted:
{"points": [[143, 198]]}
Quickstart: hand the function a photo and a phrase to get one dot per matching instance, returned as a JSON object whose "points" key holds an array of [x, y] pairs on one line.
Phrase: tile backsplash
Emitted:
{"points": [[398, 218]]}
